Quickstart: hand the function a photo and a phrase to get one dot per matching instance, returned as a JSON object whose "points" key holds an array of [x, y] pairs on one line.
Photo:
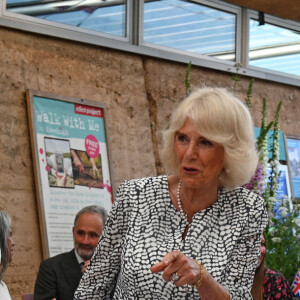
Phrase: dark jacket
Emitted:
{"points": [[58, 277]]}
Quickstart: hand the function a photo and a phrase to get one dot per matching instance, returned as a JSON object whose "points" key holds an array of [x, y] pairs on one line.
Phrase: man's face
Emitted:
{"points": [[86, 234]]}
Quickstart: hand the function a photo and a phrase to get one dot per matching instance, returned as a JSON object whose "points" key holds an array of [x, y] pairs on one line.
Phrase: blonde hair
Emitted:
{"points": [[221, 118]]}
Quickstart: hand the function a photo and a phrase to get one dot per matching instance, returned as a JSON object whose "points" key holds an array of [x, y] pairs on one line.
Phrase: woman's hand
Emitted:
{"points": [[190, 272], [186, 268], [77, 163], [94, 168]]}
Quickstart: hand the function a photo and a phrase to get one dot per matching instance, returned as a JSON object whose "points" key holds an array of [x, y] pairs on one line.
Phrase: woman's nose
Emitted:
{"points": [[192, 150]]}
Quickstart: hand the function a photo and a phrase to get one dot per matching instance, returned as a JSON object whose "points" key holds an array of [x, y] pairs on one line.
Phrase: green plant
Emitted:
{"points": [[188, 86], [283, 251], [283, 248]]}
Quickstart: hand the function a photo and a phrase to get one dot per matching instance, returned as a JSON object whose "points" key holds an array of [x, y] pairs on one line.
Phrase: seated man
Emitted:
{"points": [[59, 276]]}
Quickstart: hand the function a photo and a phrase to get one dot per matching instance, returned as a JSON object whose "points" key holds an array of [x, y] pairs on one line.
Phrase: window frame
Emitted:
{"points": [[229, 8], [271, 74], [64, 31], [133, 42]]}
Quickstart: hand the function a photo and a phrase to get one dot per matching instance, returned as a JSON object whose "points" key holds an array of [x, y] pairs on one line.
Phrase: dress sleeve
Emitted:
{"points": [[243, 261], [99, 280]]}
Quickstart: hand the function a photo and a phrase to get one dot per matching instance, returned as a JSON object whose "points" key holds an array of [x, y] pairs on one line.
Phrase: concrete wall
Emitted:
{"points": [[140, 92]]}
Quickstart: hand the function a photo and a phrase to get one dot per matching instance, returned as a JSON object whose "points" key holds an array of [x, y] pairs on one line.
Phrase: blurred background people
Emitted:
{"points": [[6, 251], [59, 276], [268, 284]]}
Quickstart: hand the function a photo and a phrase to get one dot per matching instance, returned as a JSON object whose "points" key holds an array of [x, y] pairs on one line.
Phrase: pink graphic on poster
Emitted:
{"points": [[108, 188], [92, 146]]}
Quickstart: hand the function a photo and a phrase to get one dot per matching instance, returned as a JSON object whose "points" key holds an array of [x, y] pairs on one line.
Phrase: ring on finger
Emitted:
{"points": [[175, 277]]}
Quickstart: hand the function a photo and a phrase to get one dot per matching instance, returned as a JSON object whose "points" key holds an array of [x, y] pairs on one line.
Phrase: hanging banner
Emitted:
{"points": [[71, 162]]}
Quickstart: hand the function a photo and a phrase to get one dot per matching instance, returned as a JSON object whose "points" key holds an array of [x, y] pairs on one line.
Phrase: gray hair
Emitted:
{"points": [[92, 209], [221, 118], [5, 223]]}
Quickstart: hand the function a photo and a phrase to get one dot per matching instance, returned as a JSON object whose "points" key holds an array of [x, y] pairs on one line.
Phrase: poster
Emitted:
{"points": [[293, 148], [282, 151], [71, 158], [283, 190]]}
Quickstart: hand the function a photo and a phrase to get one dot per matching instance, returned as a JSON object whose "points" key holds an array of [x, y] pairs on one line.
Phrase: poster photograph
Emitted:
{"points": [[71, 163], [283, 190], [293, 147], [87, 170], [59, 165]]}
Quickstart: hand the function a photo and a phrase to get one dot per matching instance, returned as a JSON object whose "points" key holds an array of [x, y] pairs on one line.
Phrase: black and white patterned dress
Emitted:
{"points": [[144, 226]]}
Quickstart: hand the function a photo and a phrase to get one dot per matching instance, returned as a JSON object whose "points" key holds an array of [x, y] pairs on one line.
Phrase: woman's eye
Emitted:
{"points": [[206, 143], [181, 138]]}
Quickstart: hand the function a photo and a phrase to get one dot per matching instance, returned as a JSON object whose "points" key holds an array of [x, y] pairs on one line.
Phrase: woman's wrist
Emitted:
{"points": [[199, 282]]}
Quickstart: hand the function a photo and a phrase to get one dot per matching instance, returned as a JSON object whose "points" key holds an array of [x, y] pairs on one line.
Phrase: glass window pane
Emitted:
{"points": [[104, 16], [189, 26], [275, 48]]}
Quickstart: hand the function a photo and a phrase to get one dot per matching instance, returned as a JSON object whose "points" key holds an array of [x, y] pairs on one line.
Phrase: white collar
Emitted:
{"points": [[79, 259]]}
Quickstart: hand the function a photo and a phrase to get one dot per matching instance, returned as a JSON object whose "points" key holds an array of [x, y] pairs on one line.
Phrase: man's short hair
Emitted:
{"points": [[92, 209]]}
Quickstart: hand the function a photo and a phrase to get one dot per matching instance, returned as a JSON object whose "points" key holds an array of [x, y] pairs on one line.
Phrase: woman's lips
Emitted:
{"points": [[190, 169]]}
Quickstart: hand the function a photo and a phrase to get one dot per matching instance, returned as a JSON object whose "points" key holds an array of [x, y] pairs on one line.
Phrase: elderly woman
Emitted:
{"points": [[193, 234], [6, 251]]}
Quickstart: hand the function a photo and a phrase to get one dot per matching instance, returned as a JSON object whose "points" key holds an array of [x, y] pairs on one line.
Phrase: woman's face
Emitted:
{"points": [[10, 245], [200, 161]]}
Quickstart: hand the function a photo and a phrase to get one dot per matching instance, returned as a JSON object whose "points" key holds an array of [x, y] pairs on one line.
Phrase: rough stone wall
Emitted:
{"points": [[139, 92]]}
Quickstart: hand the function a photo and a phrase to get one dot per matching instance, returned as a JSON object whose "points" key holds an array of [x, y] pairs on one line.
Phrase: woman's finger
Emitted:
{"points": [[168, 259], [159, 267], [190, 272], [184, 278], [178, 268]]}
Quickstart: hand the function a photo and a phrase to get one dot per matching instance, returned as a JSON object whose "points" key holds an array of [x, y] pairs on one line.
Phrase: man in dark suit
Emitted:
{"points": [[59, 276]]}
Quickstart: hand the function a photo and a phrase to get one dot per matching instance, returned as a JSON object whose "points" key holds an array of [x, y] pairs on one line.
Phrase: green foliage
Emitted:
{"points": [[188, 87], [283, 247], [272, 183], [249, 94], [236, 77], [264, 129]]}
